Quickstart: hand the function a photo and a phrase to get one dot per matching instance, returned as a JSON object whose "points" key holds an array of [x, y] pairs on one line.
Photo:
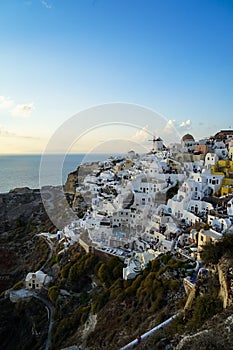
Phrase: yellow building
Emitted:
{"points": [[230, 152], [224, 167], [124, 165], [205, 237]]}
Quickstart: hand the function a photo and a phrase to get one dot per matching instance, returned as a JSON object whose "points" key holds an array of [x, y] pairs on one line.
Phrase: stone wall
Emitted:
{"points": [[226, 282]]}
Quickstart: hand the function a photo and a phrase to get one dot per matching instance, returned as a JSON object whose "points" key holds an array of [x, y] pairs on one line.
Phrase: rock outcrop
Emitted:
{"points": [[75, 178], [18, 206], [22, 216], [225, 273]]}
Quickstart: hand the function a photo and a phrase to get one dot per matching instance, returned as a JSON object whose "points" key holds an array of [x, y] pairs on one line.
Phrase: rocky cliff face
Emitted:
{"points": [[71, 182], [22, 216], [23, 325], [141, 305], [225, 273], [19, 207], [75, 178]]}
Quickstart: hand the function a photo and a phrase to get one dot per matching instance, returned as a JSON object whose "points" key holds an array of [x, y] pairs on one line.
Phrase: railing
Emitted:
{"points": [[149, 333]]}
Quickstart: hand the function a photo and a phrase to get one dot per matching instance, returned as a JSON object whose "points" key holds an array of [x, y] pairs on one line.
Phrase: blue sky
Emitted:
{"points": [[60, 57]]}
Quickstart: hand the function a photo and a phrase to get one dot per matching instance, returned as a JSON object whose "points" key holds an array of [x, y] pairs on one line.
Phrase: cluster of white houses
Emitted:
{"points": [[141, 204]]}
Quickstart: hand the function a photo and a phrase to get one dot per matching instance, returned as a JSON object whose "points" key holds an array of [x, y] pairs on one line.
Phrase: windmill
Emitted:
{"points": [[153, 140], [157, 145]]}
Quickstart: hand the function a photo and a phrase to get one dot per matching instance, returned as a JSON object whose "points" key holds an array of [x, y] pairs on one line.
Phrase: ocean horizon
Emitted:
{"points": [[17, 171]]}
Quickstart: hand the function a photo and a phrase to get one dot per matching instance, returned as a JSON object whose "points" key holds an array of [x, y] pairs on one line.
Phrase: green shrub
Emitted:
{"points": [[53, 294], [100, 301], [174, 285], [76, 318], [165, 258], [85, 313], [212, 253], [65, 270], [205, 307]]}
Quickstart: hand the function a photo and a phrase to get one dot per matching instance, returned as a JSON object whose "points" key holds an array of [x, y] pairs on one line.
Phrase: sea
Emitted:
{"points": [[35, 171]]}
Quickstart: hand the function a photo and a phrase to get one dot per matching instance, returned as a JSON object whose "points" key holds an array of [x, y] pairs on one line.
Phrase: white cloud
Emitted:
{"points": [[170, 126], [19, 110], [5, 102], [23, 110], [46, 4], [173, 126], [141, 135], [186, 124]]}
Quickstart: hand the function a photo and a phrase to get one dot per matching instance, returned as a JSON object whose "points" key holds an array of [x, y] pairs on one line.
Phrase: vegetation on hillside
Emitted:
{"points": [[23, 325], [95, 285], [213, 252], [86, 284]]}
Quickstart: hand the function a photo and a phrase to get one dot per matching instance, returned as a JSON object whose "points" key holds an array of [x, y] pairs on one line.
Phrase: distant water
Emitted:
{"points": [[24, 170]]}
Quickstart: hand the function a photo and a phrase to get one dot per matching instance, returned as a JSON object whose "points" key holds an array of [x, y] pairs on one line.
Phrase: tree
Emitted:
{"points": [[210, 253], [104, 274], [53, 293]]}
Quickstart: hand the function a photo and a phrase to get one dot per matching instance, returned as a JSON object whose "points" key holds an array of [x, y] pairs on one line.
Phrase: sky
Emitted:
{"points": [[58, 58]]}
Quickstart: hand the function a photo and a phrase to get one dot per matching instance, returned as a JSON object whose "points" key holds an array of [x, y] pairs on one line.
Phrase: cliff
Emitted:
{"points": [[22, 216], [95, 308], [17, 207], [75, 178], [225, 273]]}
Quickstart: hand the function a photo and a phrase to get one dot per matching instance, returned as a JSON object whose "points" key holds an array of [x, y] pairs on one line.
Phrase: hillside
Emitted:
{"points": [[96, 309], [93, 307], [22, 217]]}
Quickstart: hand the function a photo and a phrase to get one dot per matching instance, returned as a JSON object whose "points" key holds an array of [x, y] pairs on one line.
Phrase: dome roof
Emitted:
{"points": [[187, 137]]}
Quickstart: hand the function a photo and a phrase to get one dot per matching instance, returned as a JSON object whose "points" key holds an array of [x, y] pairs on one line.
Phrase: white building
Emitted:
{"points": [[230, 153], [230, 207], [211, 159], [37, 280], [132, 270], [145, 257], [219, 224], [188, 143]]}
